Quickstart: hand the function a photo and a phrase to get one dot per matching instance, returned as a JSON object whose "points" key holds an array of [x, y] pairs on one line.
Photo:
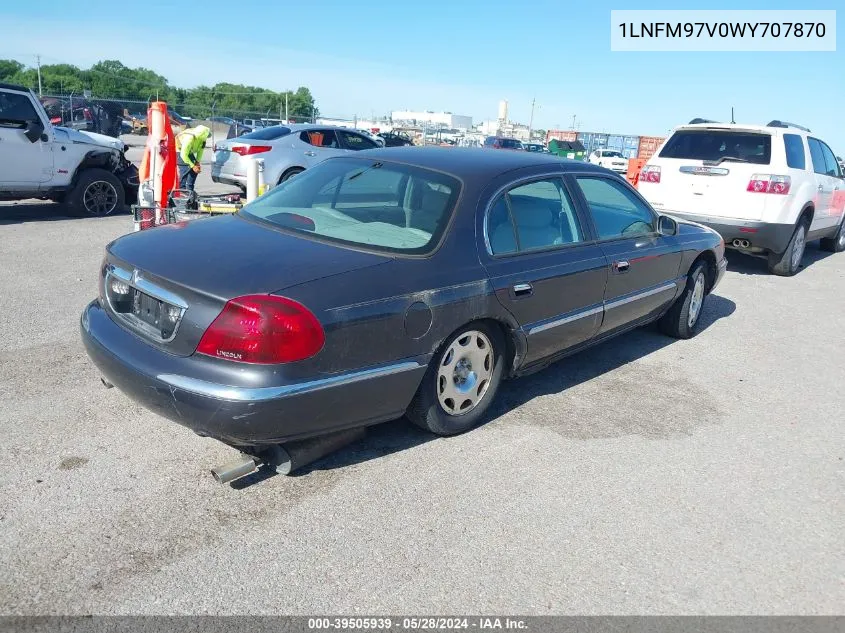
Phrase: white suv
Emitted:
{"points": [[768, 189], [609, 159]]}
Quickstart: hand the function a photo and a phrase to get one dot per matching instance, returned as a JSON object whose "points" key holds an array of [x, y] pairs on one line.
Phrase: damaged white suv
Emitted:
{"points": [[88, 172], [767, 189]]}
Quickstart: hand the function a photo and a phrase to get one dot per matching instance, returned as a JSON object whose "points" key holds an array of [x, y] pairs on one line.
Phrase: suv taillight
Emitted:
{"points": [[263, 329], [247, 150], [650, 173], [769, 183]]}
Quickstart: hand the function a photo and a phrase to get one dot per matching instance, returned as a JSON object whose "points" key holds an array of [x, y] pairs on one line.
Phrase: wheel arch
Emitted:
{"points": [[96, 158], [515, 345], [709, 259], [292, 168], [807, 213]]}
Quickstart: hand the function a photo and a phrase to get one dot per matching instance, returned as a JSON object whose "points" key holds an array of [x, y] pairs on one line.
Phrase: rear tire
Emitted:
{"points": [[835, 244], [787, 263], [290, 173], [97, 194], [461, 382], [682, 319]]}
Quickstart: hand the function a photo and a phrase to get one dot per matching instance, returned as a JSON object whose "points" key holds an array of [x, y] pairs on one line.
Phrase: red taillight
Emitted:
{"points": [[768, 183], [56, 120], [263, 329], [248, 150], [650, 173], [87, 114]]}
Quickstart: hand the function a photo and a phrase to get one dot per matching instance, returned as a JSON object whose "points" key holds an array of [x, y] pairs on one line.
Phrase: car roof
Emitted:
{"points": [[298, 127], [472, 162], [739, 127], [13, 87]]}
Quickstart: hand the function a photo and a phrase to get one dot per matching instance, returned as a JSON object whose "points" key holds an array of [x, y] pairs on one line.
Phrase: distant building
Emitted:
{"points": [[445, 119]]}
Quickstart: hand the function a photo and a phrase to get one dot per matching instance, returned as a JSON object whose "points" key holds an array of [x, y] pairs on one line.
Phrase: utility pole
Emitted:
{"points": [[573, 122], [286, 108], [38, 61], [531, 120]]}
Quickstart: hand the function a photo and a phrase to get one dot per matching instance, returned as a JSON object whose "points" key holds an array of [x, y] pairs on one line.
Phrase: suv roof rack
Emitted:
{"points": [[777, 123], [697, 120]]}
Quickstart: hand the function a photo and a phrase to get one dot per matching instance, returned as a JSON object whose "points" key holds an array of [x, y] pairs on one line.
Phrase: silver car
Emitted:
{"points": [[286, 149]]}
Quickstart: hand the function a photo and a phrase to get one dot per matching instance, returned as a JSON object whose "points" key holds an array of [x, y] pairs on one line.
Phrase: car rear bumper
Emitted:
{"points": [[760, 235], [243, 416]]}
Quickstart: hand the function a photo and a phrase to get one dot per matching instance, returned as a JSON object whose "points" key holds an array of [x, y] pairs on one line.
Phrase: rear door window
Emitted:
{"points": [[537, 215], [712, 146], [795, 155], [817, 155], [320, 138]]}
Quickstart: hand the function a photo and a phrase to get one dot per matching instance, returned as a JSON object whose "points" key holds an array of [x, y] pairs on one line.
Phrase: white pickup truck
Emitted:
{"points": [[86, 171]]}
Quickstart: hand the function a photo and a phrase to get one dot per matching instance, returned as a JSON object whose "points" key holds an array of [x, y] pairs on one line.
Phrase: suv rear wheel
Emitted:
{"points": [[788, 262], [97, 193]]}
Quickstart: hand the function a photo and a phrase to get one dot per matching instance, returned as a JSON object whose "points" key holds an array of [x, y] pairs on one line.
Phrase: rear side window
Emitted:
{"points": [[510, 143], [817, 155], [16, 110], [795, 156], [268, 133], [719, 145], [489, 141], [320, 138], [534, 216], [616, 211]]}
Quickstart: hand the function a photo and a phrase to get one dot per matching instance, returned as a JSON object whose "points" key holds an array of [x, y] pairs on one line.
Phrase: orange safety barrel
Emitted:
{"points": [[161, 143]]}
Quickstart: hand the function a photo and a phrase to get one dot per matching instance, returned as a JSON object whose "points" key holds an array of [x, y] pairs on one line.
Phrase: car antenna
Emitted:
{"points": [[732, 116]]}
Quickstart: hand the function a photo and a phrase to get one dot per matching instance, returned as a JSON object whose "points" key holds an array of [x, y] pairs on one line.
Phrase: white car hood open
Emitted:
{"points": [[68, 135]]}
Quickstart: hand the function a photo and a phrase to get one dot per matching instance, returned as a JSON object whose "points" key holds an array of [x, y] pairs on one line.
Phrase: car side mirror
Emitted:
{"points": [[33, 130], [667, 226]]}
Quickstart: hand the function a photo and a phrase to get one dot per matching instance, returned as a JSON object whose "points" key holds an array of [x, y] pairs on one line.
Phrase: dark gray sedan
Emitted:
{"points": [[402, 281]]}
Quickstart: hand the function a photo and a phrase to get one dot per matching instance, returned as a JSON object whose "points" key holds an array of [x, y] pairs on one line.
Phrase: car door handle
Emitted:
{"points": [[821, 187], [310, 153], [522, 290], [621, 266]]}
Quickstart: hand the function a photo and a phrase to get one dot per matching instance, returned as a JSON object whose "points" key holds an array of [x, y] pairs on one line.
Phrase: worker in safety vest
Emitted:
{"points": [[189, 148]]}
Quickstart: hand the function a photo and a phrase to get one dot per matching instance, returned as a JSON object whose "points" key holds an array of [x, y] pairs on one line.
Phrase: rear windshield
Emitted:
{"points": [[374, 204], [719, 145], [267, 133], [613, 154]]}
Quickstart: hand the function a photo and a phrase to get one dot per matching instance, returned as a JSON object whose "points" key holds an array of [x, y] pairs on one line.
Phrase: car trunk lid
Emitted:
{"points": [[186, 272]]}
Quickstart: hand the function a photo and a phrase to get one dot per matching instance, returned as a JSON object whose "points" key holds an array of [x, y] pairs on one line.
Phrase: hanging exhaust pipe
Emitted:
{"points": [[286, 458], [230, 471]]}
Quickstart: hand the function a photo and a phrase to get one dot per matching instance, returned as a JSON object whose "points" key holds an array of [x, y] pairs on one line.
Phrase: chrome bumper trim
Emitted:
{"points": [[258, 394]]}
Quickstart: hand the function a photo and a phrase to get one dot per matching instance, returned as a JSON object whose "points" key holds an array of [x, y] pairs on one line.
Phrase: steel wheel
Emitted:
{"points": [[798, 247], [99, 198], [464, 373], [696, 301]]}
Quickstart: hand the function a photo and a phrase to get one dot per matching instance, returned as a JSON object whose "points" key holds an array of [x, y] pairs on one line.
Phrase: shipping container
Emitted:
{"points": [[593, 140], [631, 143], [561, 135], [648, 146]]}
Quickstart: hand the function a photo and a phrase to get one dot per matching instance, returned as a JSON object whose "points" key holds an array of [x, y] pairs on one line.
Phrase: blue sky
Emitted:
{"points": [[364, 57]]}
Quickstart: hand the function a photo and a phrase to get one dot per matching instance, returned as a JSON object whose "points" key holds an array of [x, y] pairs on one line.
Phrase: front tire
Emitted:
{"points": [[461, 381], [787, 263], [682, 319], [835, 244], [97, 194]]}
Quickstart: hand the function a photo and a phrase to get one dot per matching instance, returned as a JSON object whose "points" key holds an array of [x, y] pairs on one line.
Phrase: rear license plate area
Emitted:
{"points": [[147, 309]]}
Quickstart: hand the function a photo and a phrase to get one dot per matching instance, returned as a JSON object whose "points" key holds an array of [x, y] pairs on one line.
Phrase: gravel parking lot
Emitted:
{"points": [[644, 476]]}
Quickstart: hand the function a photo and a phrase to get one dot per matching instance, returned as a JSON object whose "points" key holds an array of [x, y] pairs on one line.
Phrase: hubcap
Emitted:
{"points": [[697, 300], [100, 198], [464, 373], [798, 248]]}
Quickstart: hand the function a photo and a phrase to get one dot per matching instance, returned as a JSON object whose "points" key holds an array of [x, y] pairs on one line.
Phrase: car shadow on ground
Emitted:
{"points": [[39, 212], [750, 265], [400, 435]]}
